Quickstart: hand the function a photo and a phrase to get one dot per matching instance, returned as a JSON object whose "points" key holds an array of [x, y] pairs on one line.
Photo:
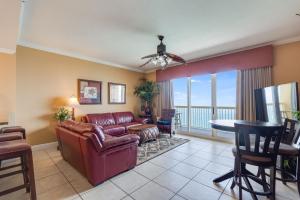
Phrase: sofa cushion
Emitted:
{"points": [[112, 142], [123, 117], [130, 124], [114, 130], [95, 141], [82, 128], [101, 119]]}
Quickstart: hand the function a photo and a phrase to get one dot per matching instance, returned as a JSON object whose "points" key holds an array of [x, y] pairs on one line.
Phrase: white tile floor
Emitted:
{"points": [[184, 173]]}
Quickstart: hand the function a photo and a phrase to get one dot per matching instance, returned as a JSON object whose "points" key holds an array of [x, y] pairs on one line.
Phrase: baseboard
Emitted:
{"points": [[44, 146], [229, 141]]}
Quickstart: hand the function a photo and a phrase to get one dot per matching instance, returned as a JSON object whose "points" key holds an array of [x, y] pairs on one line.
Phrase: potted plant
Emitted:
{"points": [[146, 91], [297, 115], [62, 114]]}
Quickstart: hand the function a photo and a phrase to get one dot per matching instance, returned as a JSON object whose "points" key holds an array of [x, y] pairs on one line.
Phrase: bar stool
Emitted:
{"points": [[18, 149], [12, 133], [289, 148], [177, 119], [17, 131], [247, 151]]}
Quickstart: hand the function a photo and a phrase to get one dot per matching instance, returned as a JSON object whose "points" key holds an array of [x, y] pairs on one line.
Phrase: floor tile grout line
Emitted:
{"points": [[127, 194], [188, 183], [65, 176], [201, 169], [151, 180]]}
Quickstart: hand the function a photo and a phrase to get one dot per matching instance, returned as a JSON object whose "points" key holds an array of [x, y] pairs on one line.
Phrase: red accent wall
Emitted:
{"points": [[253, 58]]}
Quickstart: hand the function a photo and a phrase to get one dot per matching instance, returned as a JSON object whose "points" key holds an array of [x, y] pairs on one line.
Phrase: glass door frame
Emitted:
{"points": [[214, 115], [213, 78], [214, 101]]}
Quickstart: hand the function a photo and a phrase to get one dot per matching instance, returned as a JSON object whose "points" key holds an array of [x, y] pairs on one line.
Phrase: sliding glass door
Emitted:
{"points": [[180, 94], [225, 99], [201, 103], [201, 98]]}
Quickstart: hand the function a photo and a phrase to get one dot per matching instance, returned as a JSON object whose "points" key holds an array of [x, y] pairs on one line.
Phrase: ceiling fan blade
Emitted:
{"points": [[145, 63], [149, 56], [176, 58]]}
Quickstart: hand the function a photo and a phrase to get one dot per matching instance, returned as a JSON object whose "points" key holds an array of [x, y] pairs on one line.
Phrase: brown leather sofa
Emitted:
{"points": [[97, 155], [114, 124]]}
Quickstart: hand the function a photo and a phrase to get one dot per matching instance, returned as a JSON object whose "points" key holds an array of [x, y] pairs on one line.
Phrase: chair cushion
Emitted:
{"points": [[252, 158], [11, 136], [164, 122], [10, 147], [284, 149], [114, 130]]}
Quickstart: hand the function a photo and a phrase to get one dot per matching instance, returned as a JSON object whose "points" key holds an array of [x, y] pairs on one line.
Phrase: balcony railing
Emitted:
{"points": [[200, 115]]}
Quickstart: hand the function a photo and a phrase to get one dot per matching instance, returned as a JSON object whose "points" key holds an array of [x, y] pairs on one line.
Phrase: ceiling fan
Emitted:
{"points": [[162, 58]]}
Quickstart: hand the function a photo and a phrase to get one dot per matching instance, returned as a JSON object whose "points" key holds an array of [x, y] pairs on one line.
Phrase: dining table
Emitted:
{"points": [[228, 125]]}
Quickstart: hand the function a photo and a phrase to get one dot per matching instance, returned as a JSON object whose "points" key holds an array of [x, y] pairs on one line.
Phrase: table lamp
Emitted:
{"points": [[73, 102]]}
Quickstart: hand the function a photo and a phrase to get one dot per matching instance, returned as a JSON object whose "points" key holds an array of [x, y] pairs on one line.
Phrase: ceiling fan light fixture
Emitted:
{"points": [[161, 61], [162, 58]]}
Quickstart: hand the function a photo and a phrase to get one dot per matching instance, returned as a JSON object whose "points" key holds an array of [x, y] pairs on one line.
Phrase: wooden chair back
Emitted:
{"points": [[289, 131], [248, 139]]}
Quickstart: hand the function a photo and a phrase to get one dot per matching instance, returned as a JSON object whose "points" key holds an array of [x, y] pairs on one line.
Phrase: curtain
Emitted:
{"points": [[165, 97], [247, 81]]}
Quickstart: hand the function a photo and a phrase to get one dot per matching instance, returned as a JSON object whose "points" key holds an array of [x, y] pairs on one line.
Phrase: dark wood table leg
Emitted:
{"points": [[224, 177], [230, 174]]}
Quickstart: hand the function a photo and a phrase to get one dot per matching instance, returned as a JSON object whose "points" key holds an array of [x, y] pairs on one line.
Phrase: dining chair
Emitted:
{"points": [[18, 149], [247, 151], [289, 149]]}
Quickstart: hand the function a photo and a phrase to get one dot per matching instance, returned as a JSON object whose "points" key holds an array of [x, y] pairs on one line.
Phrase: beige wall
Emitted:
{"points": [[7, 86], [34, 83], [45, 81], [287, 63], [151, 76]]}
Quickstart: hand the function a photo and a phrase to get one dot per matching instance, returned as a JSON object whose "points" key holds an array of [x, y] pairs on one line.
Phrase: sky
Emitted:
{"points": [[201, 90]]}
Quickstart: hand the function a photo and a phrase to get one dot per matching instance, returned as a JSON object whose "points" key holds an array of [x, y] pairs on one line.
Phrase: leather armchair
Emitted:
{"points": [[164, 123], [96, 155]]}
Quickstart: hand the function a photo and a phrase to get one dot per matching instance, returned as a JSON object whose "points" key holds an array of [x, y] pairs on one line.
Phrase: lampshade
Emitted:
{"points": [[73, 101]]}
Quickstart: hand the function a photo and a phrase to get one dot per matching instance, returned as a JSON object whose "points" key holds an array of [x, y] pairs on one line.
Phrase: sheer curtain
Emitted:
{"points": [[165, 97], [247, 81]]}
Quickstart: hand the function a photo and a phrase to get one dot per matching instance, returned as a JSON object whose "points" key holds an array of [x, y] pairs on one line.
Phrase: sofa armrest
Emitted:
{"points": [[119, 141], [13, 129], [95, 140], [141, 120]]}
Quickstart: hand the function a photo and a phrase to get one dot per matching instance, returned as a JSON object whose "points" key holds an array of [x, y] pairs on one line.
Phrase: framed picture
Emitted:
{"points": [[89, 92], [116, 93]]}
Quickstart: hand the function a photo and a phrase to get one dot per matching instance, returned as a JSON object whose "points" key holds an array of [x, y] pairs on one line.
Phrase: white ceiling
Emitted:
{"points": [[120, 32], [9, 25]]}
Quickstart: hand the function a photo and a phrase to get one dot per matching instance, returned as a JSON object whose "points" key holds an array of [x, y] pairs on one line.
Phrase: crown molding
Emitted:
{"points": [[150, 71], [286, 41], [8, 51], [75, 55]]}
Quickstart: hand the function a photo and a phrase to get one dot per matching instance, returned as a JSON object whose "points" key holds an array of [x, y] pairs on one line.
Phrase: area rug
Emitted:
{"points": [[152, 149]]}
